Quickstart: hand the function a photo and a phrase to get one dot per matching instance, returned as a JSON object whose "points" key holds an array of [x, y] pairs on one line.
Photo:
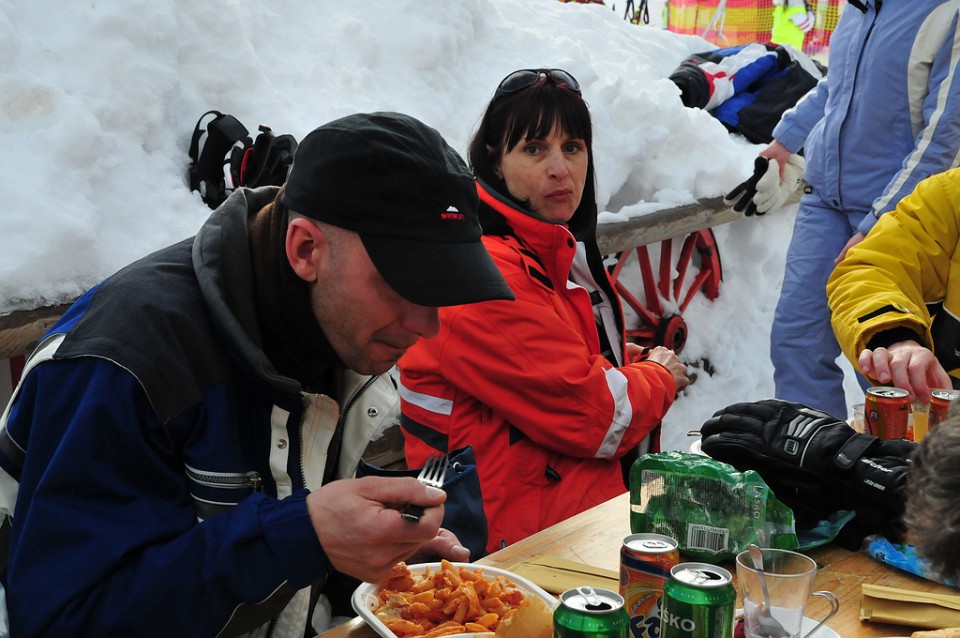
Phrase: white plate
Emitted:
{"points": [[823, 632], [805, 626], [365, 601]]}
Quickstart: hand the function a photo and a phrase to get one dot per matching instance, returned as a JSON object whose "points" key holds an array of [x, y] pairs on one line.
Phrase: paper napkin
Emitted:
{"points": [[909, 607]]}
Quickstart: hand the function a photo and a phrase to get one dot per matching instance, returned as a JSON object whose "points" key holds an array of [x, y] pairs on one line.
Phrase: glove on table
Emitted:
{"points": [[814, 462]]}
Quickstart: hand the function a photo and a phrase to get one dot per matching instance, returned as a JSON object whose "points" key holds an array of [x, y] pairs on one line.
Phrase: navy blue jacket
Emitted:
{"points": [[152, 456]]}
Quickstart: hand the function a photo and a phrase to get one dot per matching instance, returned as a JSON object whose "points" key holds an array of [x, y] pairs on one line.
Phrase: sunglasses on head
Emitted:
{"points": [[519, 80]]}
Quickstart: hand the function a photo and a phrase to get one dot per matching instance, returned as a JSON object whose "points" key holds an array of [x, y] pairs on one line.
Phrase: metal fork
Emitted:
{"points": [[433, 473]]}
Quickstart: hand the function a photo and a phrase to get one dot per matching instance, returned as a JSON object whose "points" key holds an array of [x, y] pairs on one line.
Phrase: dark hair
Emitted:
{"points": [[533, 113], [932, 512]]}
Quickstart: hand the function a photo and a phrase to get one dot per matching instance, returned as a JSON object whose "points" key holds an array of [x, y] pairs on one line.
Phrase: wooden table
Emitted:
{"points": [[594, 537]]}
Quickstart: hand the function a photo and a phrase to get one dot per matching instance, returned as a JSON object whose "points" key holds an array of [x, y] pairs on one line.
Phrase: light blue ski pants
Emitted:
{"points": [[802, 345]]}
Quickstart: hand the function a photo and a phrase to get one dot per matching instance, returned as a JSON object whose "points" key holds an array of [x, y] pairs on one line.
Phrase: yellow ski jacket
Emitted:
{"points": [[905, 275]]}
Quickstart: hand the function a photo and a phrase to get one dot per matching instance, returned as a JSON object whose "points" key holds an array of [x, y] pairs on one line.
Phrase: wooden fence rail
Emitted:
{"points": [[20, 330]]}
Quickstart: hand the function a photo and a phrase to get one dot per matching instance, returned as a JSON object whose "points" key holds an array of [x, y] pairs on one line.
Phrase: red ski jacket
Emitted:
{"points": [[525, 384]]}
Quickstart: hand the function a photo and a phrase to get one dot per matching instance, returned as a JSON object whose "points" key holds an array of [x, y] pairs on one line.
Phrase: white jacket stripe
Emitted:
{"points": [[932, 33], [622, 414], [426, 401]]}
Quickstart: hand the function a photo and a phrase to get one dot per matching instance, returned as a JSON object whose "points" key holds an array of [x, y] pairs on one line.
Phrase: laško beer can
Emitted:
{"points": [[645, 564], [698, 602], [887, 412], [940, 401], [588, 612]]}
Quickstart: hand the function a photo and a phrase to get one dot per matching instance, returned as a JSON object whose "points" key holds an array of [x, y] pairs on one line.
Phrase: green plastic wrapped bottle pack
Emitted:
{"points": [[711, 509]]}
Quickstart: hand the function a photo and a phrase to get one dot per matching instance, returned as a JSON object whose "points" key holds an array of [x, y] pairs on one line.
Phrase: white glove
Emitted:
{"points": [[804, 21], [772, 191]]}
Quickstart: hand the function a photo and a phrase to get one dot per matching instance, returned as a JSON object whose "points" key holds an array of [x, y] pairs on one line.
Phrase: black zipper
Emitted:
{"points": [[340, 421]]}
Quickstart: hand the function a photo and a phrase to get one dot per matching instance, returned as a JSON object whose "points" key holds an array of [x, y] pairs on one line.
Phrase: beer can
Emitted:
{"points": [[698, 602], [940, 401], [588, 612], [645, 564], [887, 412]]}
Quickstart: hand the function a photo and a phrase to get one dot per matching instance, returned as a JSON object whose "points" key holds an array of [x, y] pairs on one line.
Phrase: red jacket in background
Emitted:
{"points": [[524, 383]]}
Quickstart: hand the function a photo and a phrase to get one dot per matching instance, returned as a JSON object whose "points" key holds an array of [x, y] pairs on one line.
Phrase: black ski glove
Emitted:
{"points": [[813, 462], [741, 197], [791, 438]]}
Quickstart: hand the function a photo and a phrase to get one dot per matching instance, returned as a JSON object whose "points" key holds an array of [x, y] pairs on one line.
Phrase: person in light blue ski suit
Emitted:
{"points": [[886, 116]]}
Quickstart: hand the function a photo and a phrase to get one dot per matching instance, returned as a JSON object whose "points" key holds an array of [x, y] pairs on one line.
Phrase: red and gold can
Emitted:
{"points": [[887, 412], [940, 401], [645, 564]]}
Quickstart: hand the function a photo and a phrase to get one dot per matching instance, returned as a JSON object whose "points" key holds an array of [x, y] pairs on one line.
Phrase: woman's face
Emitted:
{"points": [[550, 173]]}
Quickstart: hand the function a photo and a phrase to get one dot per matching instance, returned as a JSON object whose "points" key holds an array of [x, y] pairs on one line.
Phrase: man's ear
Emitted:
{"points": [[306, 248]]}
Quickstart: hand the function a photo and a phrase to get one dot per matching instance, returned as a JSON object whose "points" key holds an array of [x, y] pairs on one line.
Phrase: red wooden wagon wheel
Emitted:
{"points": [[669, 284]]}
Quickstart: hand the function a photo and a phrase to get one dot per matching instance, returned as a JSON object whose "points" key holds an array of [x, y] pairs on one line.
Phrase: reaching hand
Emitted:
{"points": [[907, 365], [358, 523], [777, 151], [669, 360]]}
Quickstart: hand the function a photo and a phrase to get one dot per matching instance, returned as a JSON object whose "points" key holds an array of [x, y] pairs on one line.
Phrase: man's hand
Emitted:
{"points": [[907, 365], [444, 545], [358, 523]]}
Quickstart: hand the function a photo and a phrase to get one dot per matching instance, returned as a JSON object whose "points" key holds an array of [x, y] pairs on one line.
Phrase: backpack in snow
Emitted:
{"points": [[747, 87], [223, 157]]}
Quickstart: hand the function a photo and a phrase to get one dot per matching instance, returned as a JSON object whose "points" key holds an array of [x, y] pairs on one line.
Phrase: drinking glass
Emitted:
{"points": [[778, 594], [858, 417]]}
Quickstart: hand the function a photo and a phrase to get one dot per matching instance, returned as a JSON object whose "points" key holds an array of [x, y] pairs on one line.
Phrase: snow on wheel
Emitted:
{"points": [[671, 274]]}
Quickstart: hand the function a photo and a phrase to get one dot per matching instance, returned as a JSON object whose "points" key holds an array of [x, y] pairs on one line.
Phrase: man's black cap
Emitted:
{"points": [[410, 197]]}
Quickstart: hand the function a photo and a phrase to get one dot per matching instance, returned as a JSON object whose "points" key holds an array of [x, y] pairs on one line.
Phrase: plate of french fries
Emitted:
{"points": [[430, 600]]}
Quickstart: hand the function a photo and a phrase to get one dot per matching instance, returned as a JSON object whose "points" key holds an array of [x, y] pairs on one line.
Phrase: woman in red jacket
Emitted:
{"points": [[545, 388]]}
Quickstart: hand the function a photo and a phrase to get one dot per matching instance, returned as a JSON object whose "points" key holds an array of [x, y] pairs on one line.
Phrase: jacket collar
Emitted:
{"points": [[552, 242], [224, 268]]}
